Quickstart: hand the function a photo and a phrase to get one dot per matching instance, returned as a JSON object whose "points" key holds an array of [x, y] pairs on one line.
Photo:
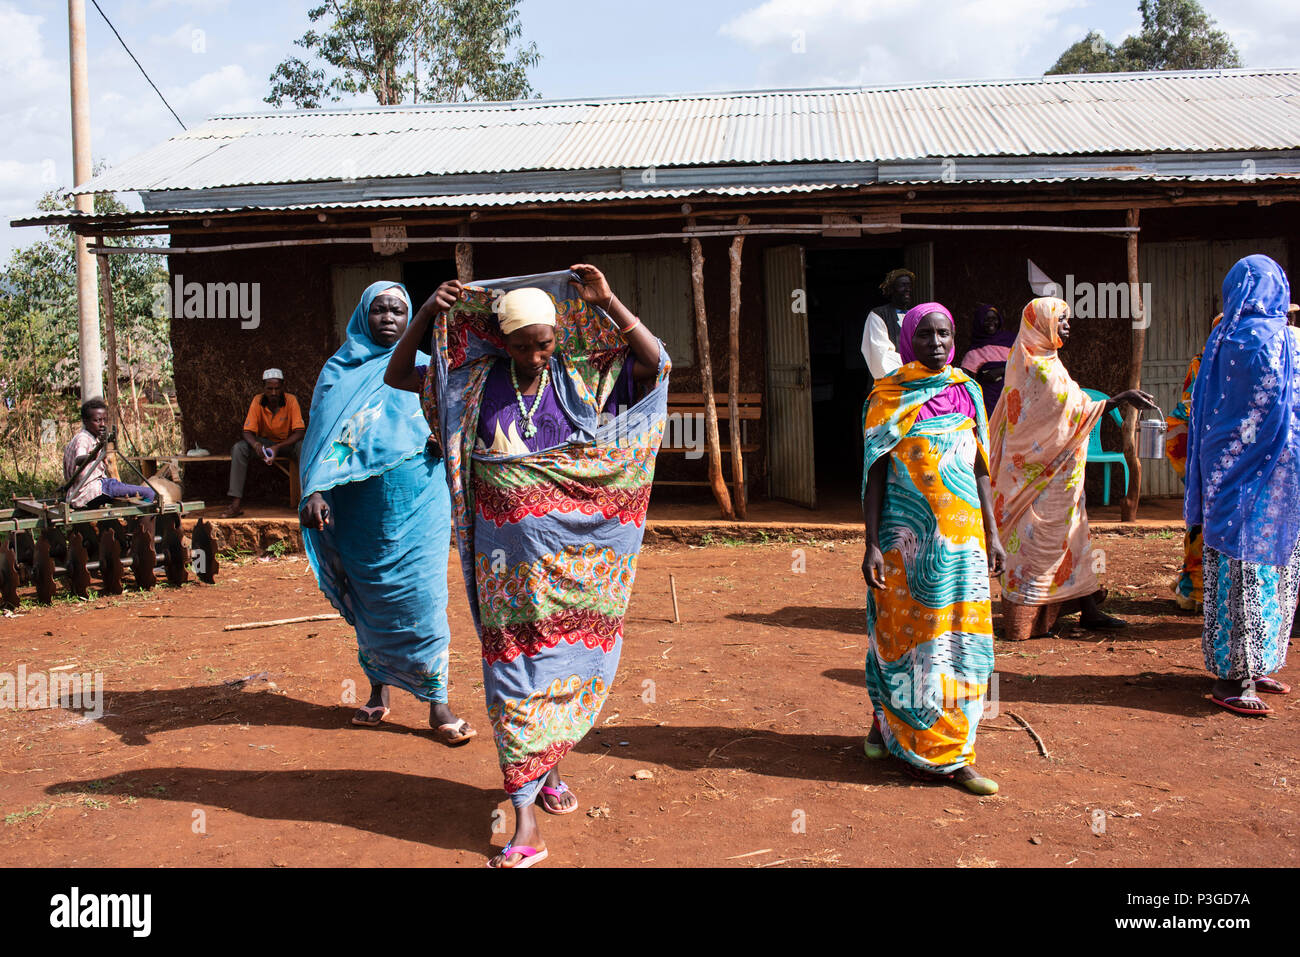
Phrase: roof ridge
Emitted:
{"points": [[542, 103]]}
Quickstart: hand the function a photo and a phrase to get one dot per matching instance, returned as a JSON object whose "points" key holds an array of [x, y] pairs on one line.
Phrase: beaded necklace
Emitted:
{"points": [[526, 414]]}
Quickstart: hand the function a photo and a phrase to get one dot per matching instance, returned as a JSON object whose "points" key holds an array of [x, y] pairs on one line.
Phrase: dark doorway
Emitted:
{"points": [[843, 286], [422, 279]]}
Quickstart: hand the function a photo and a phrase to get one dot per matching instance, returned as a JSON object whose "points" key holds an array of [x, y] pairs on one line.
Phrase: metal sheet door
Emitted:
{"points": [[789, 377]]}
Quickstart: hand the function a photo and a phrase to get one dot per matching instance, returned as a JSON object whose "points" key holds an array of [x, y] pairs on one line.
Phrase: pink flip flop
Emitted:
{"points": [[531, 856], [556, 793], [1233, 704]]}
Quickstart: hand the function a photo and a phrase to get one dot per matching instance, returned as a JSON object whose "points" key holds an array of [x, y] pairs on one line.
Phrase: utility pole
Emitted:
{"points": [[91, 360]]}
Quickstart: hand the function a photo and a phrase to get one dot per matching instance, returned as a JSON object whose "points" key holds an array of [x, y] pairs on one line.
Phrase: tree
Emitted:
{"points": [[1093, 54], [39, 342], [1175, 35], [377, 46]]}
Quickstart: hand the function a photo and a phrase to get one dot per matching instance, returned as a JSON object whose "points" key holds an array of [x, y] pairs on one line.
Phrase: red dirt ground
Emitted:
{"points": [[755, 728]]}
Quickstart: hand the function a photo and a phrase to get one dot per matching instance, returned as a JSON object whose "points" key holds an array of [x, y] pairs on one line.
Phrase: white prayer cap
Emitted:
{"points": [[272, 374], [525, 307]]}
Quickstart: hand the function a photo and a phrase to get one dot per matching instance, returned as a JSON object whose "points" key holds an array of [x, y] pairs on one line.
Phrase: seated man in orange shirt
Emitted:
{"points": [[273, 429]]}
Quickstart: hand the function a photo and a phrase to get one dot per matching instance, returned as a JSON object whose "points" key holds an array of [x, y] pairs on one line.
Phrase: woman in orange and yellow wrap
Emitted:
{"points": [[927, 510]]}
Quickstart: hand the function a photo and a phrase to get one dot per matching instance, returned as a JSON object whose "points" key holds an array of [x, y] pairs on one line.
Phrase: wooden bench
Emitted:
{"points": [[686, 420], [149, 466]]}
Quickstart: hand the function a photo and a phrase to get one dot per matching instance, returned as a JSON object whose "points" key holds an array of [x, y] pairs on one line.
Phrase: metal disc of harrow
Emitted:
{"points": [[204, 552], [25, 549], [8, 577], [43, 572], [78, 560], [111, 568], [142, 553], [174, 557]]}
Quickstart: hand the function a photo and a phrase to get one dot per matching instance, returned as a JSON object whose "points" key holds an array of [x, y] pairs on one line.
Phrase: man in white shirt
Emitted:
{"points": [[880, 334]]}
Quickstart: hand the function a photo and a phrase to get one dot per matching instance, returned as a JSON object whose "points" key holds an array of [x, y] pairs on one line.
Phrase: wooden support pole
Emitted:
{"points": [[716, 479], [110, 341], [1129, 509], [733, 376], [465, 258]]}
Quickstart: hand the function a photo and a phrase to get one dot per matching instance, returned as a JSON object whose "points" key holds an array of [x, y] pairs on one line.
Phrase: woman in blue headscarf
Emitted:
{"points": [[376, 515], [1243, 482]]}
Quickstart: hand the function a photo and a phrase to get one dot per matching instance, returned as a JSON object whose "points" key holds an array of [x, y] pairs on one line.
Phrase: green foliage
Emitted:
{"points": [[1175, 35], [39, 374], [428, 50]]}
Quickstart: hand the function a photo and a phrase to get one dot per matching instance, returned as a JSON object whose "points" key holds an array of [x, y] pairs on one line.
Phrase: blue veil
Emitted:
{"points": [[360, 427], [1243, 440]]}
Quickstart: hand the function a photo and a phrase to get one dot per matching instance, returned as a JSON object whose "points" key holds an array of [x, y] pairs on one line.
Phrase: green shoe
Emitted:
{"points": [[875, 751], [981, 786]]}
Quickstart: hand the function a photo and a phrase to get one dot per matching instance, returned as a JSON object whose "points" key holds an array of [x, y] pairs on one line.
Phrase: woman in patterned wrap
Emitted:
{"points": [[927, 509], [1039, 432], [1243, 483], [533, 395]]}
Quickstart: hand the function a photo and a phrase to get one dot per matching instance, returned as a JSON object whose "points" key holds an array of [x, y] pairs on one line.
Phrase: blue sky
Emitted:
{"points": [[214, 56]]}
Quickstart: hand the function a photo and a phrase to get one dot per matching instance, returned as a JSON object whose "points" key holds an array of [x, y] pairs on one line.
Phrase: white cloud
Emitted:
{"points": [[875, 42], [1266, 33]]}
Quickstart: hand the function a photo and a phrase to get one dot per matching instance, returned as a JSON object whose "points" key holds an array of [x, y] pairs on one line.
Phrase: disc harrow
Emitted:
{"points": [[44, 543]]}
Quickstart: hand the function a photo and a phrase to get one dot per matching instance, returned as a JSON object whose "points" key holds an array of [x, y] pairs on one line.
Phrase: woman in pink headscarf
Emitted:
{"points": [[1039, 446]]}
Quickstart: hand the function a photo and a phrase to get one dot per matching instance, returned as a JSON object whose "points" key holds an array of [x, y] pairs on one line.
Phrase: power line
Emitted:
{"points": [[137, 62]]}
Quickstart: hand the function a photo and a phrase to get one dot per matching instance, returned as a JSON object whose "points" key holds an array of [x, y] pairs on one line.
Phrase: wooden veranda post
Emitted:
{"points": [[716, 479], [733, 374], [110, 342], [1140, 320], [464, 258]]}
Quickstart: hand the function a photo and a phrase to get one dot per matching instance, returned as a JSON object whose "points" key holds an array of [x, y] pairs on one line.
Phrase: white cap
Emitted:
{"points": [[525, 307], [272, 374]]}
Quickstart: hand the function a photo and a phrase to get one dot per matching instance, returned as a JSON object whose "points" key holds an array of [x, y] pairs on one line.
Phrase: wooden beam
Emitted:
{"points": [[716, 480], [733, 377], [1129, 510]]}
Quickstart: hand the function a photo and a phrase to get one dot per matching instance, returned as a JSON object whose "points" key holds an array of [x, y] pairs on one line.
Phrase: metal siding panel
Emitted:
{"points": [[789, 392]]}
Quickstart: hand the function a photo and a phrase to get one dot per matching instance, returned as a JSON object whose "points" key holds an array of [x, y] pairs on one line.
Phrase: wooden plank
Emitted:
{"points": [[744, 398], [1129, 507]]}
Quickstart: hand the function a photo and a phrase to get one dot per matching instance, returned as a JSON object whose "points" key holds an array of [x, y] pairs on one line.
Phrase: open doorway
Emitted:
{"points": [[843, 286], [422, 280]]}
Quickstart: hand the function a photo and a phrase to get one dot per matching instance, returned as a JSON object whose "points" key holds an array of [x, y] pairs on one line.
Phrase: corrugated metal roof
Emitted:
{"points": [[1192, 112]]}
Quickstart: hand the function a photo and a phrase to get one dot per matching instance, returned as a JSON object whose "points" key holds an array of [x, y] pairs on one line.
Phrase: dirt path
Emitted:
{"points": [[749, 716]]}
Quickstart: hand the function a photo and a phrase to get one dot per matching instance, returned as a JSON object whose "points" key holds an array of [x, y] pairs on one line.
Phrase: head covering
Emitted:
{"points": [[900, 400], [272, 374], [1042, 416], [359, 426], [978, 337], [956, 397], [913, 319], [528, 306], [893, 274], [1243, 442]]}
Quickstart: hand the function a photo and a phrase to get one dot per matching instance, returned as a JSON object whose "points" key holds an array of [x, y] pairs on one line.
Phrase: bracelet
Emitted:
{"points": [[635, 322]]}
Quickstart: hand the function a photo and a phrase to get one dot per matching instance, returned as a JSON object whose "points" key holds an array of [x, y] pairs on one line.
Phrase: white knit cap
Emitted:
{"points": [[525, 307], [272, 374]]}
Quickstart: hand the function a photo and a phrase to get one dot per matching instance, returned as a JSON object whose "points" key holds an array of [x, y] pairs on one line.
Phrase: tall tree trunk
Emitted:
{"points": [[1137, 309], [716, 479]]}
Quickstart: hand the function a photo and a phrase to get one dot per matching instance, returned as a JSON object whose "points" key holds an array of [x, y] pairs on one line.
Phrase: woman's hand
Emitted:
{"points": [[997, 555], [315, 513], [1143, 400], [873, 566], [593, 286], [446, 295]]}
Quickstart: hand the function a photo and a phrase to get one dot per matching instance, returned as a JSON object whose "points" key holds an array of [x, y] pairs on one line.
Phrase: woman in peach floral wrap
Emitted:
{"points": [[1039, 445]]}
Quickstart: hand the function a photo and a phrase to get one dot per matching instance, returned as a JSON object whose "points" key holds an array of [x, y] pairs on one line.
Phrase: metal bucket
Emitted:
{"points": [[1151, 437]]}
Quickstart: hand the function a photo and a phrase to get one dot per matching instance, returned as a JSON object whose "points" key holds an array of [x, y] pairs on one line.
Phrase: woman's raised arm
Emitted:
{"points": [[401, 373]]}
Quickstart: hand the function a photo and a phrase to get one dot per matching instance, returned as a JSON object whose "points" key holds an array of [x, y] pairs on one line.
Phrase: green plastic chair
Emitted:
{"points": [[1097, 456]]}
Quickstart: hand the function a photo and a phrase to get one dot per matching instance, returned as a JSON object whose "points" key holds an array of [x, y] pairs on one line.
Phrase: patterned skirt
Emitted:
{"points": [[1249, 611]]}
